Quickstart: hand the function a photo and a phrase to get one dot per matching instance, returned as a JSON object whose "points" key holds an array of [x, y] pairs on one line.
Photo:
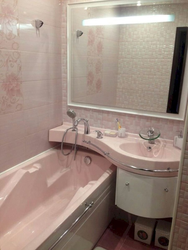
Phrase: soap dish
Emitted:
{"points": [[110, 133]]}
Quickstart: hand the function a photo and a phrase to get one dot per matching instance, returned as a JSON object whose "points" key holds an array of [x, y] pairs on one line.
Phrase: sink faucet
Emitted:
{"points": [[150, 132], [86, 125]]}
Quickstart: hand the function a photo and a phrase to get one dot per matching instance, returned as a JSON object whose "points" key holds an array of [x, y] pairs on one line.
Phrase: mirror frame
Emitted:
{"points": [[183, 103]]}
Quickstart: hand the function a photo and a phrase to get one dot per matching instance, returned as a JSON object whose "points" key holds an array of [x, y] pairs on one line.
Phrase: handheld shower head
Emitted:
{"points": [[71, 114]]}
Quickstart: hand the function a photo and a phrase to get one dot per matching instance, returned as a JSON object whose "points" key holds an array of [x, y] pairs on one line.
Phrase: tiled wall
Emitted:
{"points": [[180, 236], [94, 59], [106, 119], [145, 57], [30, 78]]}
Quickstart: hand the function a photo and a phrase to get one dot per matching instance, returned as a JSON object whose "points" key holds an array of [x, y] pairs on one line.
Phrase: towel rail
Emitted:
{"points": [[73, 224], [107, 154]]}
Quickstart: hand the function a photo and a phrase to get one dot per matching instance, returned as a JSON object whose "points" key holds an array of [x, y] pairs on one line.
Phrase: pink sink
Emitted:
{"points": [[160, 150]]}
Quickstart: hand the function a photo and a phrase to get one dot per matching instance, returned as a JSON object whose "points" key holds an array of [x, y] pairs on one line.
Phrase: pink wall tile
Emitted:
{"points": [[11, 98], [12, 153], [48, 11], [40, 66], [9, 29], [181, 223], [30, 78], [55, 115], [35, 93], [36, 119], [36, 143], [11, 132], [95, 64], [140, 75], [50, 39]]}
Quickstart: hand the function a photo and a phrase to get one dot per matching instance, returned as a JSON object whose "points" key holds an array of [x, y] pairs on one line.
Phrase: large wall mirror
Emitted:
{"points": [[129, 57]]}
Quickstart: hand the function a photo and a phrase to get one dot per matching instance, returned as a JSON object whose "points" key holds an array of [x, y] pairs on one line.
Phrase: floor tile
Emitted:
{"points": [[120, 236], [111, 238]]}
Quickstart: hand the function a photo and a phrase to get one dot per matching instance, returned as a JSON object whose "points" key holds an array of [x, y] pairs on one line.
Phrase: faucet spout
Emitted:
{"points": [[86, 125]]}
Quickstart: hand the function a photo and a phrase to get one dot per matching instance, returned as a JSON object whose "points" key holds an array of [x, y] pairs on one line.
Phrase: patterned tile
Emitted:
{"points": [[30, 78]]}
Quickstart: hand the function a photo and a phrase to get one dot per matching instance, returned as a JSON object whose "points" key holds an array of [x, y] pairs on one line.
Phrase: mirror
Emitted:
{"points": [[122, 60]]}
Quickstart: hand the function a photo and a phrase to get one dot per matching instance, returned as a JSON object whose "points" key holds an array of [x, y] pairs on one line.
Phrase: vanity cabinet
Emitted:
{"points": [[145, 196]]}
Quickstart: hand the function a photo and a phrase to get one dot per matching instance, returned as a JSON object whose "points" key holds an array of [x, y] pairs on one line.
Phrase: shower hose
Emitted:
{"points": [[73, 146]]}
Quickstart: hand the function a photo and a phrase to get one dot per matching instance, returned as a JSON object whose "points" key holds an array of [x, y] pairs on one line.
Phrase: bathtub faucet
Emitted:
{"points": [[86, 125]]}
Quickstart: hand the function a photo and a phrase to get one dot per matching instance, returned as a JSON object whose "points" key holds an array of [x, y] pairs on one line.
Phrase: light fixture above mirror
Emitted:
{"points": [[128, 20]]}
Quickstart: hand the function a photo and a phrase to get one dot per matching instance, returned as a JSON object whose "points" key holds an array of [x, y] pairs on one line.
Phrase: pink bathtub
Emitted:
{"points": [[41, 198]]}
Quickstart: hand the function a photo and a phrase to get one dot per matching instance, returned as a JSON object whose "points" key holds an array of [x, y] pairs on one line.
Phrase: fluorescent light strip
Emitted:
{"points": [[128, 20]]}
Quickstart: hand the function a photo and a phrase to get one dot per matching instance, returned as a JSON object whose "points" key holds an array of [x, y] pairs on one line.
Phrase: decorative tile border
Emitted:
{"points": [[11, 98], [9, 25]]}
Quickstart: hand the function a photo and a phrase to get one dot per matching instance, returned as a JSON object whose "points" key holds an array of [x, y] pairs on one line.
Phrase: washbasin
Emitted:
{"points": [[160, 150]]}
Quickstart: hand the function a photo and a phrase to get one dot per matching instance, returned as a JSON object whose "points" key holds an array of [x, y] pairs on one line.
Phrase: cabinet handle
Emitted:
{"points": [[166, 189], [127, 184]]}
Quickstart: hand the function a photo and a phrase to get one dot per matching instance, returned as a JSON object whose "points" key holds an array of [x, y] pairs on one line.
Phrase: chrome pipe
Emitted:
{"points": [[72, 225]]}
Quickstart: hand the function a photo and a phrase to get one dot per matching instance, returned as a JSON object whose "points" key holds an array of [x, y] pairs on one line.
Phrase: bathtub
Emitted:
{"points": [[42, 199]]}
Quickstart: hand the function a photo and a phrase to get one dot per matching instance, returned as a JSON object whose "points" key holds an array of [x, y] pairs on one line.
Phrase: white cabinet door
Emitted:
{"points": [[145, 196]]}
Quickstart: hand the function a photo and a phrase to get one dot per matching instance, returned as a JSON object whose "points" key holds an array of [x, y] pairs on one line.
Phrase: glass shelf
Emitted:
{"points": [[149, 134]]}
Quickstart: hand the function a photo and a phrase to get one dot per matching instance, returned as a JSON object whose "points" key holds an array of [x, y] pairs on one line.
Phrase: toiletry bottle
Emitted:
{"points": [[118, 124], [178, 140]]}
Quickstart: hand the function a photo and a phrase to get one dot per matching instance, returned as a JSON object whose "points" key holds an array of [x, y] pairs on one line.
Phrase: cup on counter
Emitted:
{"points": [[121, 132]]}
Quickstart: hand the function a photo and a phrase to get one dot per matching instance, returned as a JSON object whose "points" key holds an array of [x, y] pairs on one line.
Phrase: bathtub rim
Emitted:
{"points": [[67, 146], [26, 161]]}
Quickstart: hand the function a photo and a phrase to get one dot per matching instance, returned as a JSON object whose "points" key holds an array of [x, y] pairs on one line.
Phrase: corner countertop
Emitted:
{"points": [[119, 152]]}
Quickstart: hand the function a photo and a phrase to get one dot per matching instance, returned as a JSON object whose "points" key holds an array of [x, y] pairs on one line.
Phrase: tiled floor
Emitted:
{"points": [[120, 236]]}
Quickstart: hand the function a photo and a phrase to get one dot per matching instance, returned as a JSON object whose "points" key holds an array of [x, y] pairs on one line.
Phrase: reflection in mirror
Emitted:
{"points": [[126, 66], [178, 68]]}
